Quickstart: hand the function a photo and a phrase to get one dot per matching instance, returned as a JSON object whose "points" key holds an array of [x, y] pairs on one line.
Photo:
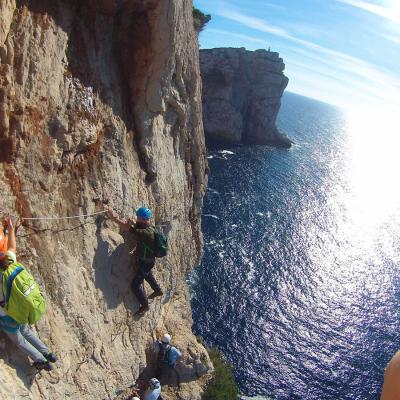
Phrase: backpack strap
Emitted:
{"points": [[10, 281], [148, 251], [163, 353]]}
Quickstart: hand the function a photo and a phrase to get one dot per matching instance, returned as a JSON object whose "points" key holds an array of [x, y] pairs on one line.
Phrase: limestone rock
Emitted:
{"points": [[242, 93], [100, 105]]}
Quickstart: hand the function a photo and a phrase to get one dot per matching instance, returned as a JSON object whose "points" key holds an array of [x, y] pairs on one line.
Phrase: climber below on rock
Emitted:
{"points": [[144, 235], [167, 356], [151, 391], [20, 334]]}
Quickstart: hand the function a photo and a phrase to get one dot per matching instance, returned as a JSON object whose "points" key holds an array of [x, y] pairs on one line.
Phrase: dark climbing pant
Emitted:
{"points": [[144, 273], [167, 375]]}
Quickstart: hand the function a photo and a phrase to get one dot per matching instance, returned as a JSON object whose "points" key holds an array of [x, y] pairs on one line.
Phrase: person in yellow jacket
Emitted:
{"points": [[20, 334]]}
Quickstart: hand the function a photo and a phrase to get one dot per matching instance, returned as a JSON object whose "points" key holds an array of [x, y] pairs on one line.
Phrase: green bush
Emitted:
{"points": [[223, 385], [200, 20]]}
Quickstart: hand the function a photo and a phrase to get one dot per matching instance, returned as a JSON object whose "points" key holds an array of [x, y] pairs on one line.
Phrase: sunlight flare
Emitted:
{"points": [[373, 165]]}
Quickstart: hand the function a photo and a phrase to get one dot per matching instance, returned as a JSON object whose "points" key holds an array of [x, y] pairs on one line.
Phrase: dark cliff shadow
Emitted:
{"points": [[114, 271], [148, 371], [17, 360]]}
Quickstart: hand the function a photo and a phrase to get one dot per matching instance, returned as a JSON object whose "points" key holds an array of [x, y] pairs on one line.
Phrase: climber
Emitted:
{"points": [[167, 356], [151, 391], [20, 334], [143, 233]]}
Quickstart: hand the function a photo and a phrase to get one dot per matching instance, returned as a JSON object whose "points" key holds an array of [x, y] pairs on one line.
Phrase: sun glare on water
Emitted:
{"points": [[364, 206], [374, 166]]}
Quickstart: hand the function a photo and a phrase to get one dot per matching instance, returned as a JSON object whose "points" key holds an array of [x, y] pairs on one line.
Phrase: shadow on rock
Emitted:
{"points": [[112, 264], [17, 360], [188, 372]]}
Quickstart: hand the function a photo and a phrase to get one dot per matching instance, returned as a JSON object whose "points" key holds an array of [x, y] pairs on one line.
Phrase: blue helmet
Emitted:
{"points": [[144, 212]]}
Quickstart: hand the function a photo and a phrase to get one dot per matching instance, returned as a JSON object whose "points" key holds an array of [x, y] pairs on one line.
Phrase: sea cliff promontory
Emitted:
{"points": [[100, 106], [242, 93]]}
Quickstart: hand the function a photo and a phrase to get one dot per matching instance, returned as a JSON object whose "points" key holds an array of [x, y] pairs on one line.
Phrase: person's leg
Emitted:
{"points": [[137, 288], [33, 339], [175, 378], [19, 340], [161, 374], [152, 282]]}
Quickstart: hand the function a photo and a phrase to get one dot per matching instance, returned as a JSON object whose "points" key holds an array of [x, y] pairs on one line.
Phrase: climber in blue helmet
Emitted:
{"points": [[143, 234]]}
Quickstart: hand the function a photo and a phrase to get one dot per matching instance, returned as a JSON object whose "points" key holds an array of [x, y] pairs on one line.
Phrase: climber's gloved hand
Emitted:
{"points": [[111, 213], [132, 220]]}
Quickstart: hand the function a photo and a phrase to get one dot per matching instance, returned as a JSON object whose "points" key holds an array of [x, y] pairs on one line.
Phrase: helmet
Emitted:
{"points": [[144, 212], [154, 383], [3, 245], [166, 338]]}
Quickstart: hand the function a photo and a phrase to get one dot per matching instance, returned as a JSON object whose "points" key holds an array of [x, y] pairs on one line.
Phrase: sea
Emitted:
{"points": [[299, 286]]}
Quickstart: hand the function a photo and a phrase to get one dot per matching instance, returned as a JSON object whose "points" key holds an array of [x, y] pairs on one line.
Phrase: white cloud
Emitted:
{"points": [[361, 75], [246, 38], [390, 11], [392, 38], [252, 22]]}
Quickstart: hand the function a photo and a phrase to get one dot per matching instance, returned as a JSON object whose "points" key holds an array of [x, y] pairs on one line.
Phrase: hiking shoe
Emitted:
{"points": [[142, 310], [156, 294], [50, 357], [39, 365]]}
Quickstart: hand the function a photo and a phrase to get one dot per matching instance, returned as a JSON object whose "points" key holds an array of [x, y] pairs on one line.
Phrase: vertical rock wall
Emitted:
{"points": [[100, 105], [242, 93]]}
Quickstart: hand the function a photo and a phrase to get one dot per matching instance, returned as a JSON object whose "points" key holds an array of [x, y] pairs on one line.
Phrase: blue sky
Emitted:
{"points": [[344, 52]]}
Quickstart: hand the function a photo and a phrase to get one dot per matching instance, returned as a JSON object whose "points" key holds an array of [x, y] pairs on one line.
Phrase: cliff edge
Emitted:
{"points": [[242, 93], [100, 105]]}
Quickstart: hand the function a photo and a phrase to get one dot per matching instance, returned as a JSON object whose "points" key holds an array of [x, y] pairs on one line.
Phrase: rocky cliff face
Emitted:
{"points": [[242, 93], [100, 105]]}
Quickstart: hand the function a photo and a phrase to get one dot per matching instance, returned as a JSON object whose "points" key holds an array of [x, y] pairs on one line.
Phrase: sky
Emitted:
{"points": [[343, 52]]}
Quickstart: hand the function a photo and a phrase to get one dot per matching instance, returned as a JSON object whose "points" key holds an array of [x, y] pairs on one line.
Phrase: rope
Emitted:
{"points": [[55, 218], [71, 217]]}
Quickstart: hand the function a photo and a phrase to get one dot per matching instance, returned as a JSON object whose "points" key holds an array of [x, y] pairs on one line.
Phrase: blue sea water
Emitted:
{"points": [[299, 285]]}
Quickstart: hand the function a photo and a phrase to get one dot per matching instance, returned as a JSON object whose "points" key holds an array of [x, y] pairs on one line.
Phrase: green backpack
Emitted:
{"points": [[23, 300], [160, 243]]}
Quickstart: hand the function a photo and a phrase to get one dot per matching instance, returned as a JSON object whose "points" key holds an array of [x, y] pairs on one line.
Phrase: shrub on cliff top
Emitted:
{"points": [[223, 385], [200, 20]]}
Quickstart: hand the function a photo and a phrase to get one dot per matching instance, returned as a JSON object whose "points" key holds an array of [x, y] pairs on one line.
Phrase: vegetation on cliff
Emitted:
{"points": [[200, 20], [223, 385]]}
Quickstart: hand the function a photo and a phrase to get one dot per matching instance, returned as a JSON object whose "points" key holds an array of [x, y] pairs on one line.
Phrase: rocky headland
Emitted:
{"points": [[242, 93], [100, 105]]}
